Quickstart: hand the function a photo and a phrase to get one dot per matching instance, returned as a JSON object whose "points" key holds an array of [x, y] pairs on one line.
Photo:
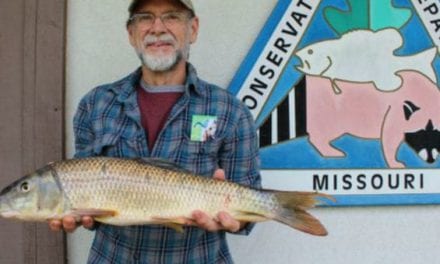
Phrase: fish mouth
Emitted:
{"points": [[330, 64], [306, 62], [9, 214], [6, 210], [305, 65]]}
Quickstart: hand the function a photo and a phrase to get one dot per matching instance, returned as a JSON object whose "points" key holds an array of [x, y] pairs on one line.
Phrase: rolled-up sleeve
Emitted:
{"points": [[239, 156]]}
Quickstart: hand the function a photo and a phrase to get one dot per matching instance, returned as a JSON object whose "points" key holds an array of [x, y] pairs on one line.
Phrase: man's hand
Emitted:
{"points": [[70, 224], [223, 221]]}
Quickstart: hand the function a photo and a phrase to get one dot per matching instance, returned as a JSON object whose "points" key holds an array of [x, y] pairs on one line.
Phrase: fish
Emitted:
{"points": [[364, 56], [145, 191]]}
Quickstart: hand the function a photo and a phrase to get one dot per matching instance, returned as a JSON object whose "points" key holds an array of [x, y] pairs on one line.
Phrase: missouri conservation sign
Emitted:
{"points": [[346, 97]]}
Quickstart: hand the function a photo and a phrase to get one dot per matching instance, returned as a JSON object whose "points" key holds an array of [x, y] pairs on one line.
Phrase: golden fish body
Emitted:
{"points": [[150, 191]]}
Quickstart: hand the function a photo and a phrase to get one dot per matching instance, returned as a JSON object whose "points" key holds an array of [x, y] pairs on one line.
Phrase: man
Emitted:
{"points": [[161, 110]]}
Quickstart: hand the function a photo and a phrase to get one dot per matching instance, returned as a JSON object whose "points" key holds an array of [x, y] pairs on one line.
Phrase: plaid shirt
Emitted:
{"points": [[108, 123]]}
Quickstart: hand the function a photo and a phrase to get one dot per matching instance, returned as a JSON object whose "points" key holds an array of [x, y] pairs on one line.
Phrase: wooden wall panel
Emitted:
{"points": [[31, 114]]}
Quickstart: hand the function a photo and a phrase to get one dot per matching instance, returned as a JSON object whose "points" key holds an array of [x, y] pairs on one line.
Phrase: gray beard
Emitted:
{"points": [[160, 63]]}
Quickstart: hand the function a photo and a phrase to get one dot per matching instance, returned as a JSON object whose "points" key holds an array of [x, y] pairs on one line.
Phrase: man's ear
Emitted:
{"points": [[194, 29], [409, 108], [130, 32]]}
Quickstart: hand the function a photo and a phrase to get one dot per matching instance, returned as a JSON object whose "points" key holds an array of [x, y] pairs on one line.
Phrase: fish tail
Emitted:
{"points": [[293, 213], [423, 62]]}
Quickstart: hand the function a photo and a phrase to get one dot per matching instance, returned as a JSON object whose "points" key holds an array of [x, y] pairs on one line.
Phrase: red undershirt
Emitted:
{"points": [[155, 106]]}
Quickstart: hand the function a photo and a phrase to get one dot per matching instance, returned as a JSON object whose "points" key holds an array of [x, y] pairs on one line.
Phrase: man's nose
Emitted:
{"points": [[158, 26]]}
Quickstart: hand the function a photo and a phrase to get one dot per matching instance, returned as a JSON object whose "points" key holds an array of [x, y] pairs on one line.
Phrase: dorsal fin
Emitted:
{"points": [[164, 164]]}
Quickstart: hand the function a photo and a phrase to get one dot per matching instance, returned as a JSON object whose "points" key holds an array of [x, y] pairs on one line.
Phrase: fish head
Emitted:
{"points": [[315, 59], [35, 197]]}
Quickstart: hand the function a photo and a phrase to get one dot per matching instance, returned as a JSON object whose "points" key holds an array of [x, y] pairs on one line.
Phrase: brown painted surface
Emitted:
{"points": [[31, 114]]}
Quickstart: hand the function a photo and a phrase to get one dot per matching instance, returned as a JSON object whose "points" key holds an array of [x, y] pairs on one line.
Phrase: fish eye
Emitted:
{"points": [[310, 51], [24, 187]]}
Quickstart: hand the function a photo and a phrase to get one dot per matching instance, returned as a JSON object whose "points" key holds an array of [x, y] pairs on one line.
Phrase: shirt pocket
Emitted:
{"points": [[127, 143], [200, 157], [104, 145]]}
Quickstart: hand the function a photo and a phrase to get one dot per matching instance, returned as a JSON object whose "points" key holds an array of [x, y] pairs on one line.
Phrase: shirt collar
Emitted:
{"points": [[126, 87], [192, 80]]}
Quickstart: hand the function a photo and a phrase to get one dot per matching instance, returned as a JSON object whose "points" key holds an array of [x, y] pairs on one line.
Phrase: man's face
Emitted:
{"points": [[161, 33]]}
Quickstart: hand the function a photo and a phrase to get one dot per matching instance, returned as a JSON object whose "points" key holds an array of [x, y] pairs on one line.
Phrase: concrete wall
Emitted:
{"points": [[98, 52]]}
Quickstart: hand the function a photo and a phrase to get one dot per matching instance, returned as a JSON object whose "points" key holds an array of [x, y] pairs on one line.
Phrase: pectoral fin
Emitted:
{"points": [[96, 213], [336, 88], [174, 223], [250, 217]]}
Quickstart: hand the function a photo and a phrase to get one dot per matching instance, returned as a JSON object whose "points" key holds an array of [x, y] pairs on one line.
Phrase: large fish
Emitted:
{"points": [[147, 191]]}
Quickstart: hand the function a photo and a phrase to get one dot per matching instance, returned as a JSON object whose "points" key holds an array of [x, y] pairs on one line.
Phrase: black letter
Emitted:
{"points": [[377, 176], [272, 57], [409, 179], [432, 8], [298, 17], [361, 180], [320, 185], [281, 45], [252, 100], [390, 181], [347, 182], [436, 23], [292, 31], [258, 85], [335, 182], [267, 71], [300, 3]]}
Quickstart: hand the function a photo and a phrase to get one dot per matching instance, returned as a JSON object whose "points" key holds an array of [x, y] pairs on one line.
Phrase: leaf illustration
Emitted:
{"points": [[367, 14], [384, 15], [343, 21]]}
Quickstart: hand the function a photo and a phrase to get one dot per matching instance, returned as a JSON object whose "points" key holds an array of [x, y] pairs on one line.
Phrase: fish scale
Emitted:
{"points": [[126, 186], [147, 191]]}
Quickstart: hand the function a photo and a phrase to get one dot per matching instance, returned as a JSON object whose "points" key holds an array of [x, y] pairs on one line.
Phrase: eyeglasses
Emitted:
{"points": [[170, 19]]}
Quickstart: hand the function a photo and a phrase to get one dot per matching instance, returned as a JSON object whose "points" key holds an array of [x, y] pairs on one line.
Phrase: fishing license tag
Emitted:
{"points": [[203, 127]]}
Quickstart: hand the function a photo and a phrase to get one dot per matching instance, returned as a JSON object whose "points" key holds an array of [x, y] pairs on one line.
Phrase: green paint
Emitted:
{"points": [[385, 15], [344, 21], [367, 14]]}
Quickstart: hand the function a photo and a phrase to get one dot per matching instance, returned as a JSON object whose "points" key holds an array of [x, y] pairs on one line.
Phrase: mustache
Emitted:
{"points": [[151, 39]]}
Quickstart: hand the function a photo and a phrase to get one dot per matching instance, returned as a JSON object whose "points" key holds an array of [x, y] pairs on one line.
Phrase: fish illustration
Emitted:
{"points": [[147, 191], [365, 56]]}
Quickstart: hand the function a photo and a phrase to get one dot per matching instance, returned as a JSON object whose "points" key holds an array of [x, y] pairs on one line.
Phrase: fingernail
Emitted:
{"points": [[222, 217], [53, 226], [197, 214]]}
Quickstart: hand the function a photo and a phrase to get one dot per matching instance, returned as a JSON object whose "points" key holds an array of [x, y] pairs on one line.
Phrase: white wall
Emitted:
{"points": [[98, 52]]}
